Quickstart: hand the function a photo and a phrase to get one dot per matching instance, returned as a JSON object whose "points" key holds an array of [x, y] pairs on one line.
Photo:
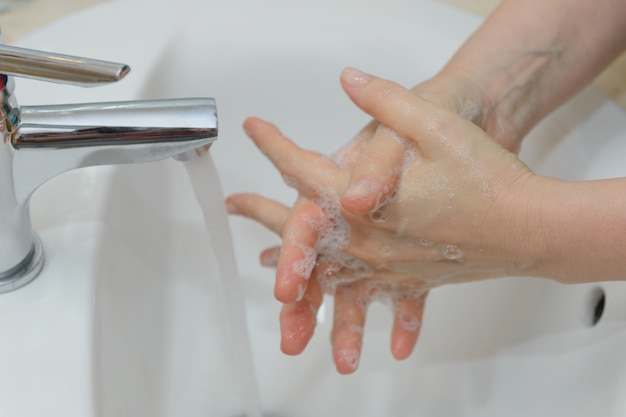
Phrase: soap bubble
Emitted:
{"points": [[409, 322], [452, 252], [333, 236], [378, 216], [426, 243], [304, 266], [350, 357], [410, 149]]}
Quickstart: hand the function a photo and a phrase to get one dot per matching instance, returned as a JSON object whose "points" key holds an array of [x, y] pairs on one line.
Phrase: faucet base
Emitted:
{"points": [[25, 271]]}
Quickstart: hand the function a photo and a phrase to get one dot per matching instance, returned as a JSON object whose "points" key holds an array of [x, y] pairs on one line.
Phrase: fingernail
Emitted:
{"points": [[361, 189], [350, 359], [231, 207], [355, 78], [269, 257], [246, 126]]}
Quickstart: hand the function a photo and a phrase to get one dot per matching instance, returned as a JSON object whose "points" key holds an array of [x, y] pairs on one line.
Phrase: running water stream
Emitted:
{"points": [[206, 185]]}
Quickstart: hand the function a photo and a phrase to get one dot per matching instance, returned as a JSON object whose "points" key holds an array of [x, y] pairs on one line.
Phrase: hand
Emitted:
{"points": [[298, 316], [378, 161], [433, 232]]}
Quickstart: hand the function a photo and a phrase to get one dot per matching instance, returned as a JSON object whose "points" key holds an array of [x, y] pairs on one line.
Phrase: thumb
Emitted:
{"points": [[375, 173], [396, 107]]}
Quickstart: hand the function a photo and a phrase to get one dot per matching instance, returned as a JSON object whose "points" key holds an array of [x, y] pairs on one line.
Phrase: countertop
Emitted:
{"points": [[34, 14]]}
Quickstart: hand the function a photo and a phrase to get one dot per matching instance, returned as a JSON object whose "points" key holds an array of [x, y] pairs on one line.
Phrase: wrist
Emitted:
{"points": [[516, 94], [523, 218], [472, 97]]}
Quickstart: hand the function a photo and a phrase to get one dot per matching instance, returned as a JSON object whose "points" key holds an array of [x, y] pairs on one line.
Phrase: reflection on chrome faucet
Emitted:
{"points": [[40, 142]]}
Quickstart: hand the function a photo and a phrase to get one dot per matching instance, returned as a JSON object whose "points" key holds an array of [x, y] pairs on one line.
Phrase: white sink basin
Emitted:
{"points": [[124, 319]]}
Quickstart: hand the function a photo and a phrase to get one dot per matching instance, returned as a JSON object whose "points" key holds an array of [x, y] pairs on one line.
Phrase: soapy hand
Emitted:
{"points": [[445, 216], [323, 227]]}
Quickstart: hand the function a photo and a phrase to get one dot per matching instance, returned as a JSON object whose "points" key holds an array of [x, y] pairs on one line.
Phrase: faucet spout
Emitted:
{"points": [[66, 69], [50, 140]]}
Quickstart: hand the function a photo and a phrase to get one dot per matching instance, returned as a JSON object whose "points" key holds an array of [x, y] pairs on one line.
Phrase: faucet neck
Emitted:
{"points": [[21, 256]]}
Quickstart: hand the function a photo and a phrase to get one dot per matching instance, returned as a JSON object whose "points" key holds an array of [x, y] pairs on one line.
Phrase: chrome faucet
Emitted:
{"points": [[40, 142]]}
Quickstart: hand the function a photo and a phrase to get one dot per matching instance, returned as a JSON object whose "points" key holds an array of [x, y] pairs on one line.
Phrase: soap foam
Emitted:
{"points": [[410, 149], [350, 357], [410, 154], [333, 237], [409, 322], [345, 156], [355, 329], [304, 267], [342, 269]]}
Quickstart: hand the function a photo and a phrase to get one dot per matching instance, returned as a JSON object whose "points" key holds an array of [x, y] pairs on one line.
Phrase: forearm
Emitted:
{"points": [[532, 55], [578, 230]]}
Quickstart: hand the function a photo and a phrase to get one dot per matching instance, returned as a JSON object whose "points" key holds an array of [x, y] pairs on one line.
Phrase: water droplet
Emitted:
{"points": [[452, 252], [378, 216]]}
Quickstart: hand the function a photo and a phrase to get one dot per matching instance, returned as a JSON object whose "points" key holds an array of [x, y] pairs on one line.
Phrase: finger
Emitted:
{"points": [[346, 156], [398, 108], [269, 257], [298, 320], [269, 213], [375, 174], [347, 334], [298, 254], [407, 324], [308, 172]]}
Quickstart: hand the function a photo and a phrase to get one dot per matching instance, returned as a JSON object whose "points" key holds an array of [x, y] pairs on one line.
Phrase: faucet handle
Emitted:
{"points": [[59, 68]]}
